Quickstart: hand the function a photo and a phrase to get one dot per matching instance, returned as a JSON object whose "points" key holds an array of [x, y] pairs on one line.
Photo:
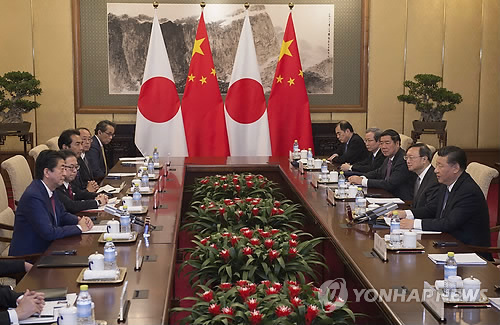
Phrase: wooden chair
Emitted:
{"points": [[52, 143], [19, 174], [36, 150], [406, 141]]}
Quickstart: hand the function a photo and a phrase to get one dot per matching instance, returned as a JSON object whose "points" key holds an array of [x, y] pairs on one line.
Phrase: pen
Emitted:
{"points": [[409, 251]]}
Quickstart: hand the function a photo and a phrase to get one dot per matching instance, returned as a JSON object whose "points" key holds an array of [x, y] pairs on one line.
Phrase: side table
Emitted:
{"points": [[25, 137]]}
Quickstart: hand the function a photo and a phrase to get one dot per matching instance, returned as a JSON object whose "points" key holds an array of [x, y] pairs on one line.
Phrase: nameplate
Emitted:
{"points": [[433, 302], [314, 180], [301, 167], [290, 156], [380, 247], [330, 196]]}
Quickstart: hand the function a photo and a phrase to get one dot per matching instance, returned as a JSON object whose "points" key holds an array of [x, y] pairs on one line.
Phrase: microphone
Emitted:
{"points": [[375, 213], [114, 211]]}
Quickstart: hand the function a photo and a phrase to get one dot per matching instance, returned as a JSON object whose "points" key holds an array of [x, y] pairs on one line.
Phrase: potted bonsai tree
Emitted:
{"points": [[431, 100], [15, 86]]}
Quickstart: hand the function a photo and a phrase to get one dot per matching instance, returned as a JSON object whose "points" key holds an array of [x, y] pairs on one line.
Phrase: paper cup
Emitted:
{"points": [[472, 289], [303, 154], [334, 176], [352, 191], [410, 239], [66, 316], [113, 226], [96, 262], [317, 163]]}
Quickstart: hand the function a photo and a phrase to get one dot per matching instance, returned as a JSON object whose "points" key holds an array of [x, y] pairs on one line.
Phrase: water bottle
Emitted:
{"points": [[395, 227], [295, 146], [156, 156], [109, 255], [360, 202], [342, 186], [151, 165], [136, 197], [125, 223], [450, 269], [84, 306], [145, 178], [310, 159], [324, 171]]}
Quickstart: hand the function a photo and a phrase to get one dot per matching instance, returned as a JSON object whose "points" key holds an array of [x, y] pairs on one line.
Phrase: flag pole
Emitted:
{"points": [[247, 5], [202, 5], [156, 4], [290, 5]]}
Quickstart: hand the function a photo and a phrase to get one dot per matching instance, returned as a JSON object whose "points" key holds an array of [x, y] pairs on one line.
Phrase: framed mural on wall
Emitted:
{"points": [[111, 40]]}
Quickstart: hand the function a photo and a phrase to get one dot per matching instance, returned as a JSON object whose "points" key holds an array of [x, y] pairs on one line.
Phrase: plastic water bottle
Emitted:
{"points": [[84, 306], [125, 223], [151, 166], [136, 197], [360, 202], [109, 255], [310, 158], [145, 178], [341, 183], [324, 171], [295, 146], [450, 268], [395, 227], [156, 156]]}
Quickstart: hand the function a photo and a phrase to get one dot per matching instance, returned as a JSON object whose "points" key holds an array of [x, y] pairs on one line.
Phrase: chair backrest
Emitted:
{"points": [[434, 160], [36, 150], [19, 174], [52, 143], [6, 218], [482, 175], [406, 141]]}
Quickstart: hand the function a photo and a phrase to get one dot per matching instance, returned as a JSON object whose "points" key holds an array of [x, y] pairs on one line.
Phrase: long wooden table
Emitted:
{"points": [[350, 245]]}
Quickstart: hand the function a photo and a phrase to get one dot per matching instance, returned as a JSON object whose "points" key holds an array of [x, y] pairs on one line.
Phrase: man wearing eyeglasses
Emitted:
{"points": [[72, 202], [393, 176], [71, 140], [85, 177], [40, 216], [104, 133], [375, 158]]}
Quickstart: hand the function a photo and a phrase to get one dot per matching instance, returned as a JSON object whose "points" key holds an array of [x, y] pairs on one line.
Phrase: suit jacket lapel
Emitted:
{"points": [[451, 196]]}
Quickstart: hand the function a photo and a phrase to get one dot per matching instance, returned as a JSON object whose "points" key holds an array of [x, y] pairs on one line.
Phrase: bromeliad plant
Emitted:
{"points": [[266, 303], [208, 216], [234, 185], [254, 255]]}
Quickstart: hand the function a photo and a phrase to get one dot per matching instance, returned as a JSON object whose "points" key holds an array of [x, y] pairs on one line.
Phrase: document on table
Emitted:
{"points": [[384, 200], [132, 159], [48, 314], [462, 259], [417, 231], [97, 229], [121, 175], [110, 189], [111, 202]]}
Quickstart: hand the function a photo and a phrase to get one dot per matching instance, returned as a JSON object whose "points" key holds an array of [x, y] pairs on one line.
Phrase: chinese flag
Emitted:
{"points": [[202, 106], [288, 106]]}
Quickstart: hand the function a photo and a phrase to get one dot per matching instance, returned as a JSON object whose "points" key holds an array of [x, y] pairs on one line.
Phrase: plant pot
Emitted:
{"points": [[14, 128], [420, 126]]}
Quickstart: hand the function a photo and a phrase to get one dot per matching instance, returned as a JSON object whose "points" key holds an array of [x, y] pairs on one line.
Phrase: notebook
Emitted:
{"points": [[63, 261]]}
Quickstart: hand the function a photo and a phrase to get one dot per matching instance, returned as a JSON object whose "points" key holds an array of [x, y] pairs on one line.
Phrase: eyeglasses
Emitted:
{"points": [[73, 167], [411, 157], [110, 134]]}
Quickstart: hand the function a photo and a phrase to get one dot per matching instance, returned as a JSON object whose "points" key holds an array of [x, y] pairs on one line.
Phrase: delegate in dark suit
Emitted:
{"points": [[354, 152], [400, 181], [75, 205], [84, 174], [35, 226], [96, 159], [369, 163], [7, 300], [427, 190], [465, 215], [8, 267]]}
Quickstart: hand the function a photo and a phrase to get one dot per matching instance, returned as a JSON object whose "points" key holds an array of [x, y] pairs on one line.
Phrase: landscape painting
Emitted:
{"points": [[129, 28]]}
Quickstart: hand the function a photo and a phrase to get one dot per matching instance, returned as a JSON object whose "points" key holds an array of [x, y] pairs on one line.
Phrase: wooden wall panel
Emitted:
{"points": [[386, 73], [462, 68]]}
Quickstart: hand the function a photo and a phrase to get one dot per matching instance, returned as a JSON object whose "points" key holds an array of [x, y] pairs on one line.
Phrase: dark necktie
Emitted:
{"points": [[53, 201], [345, 148], [415, 188], [445, 200], [70, 192], [388, 170]]}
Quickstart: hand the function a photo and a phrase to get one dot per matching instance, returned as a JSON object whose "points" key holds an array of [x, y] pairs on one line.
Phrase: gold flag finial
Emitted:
{"points": [[156, 4], [290, 5], [247, 5], [202, 4]]}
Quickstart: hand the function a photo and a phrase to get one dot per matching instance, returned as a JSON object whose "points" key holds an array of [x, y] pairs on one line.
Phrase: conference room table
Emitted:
{"points": [[151, 289]]}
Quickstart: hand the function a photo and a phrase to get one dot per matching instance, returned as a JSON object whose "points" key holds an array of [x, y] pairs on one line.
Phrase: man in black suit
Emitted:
{"points": [[393, 176], [30, 303], [418, 158], [76, 200], [85, 176], [375, 157], [459, 207], [104, 133], [71, 140], [353, 148]]}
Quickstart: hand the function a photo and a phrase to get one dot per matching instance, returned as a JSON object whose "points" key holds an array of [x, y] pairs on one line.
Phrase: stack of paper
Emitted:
{"points": [[127, 159], [48, 314], [462, 259], [121, 174], [110, 189], [97, 229], [385, 200]]}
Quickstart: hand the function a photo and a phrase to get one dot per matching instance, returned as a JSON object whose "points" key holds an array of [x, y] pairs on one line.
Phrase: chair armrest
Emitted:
{"points": [[481, 249]]}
